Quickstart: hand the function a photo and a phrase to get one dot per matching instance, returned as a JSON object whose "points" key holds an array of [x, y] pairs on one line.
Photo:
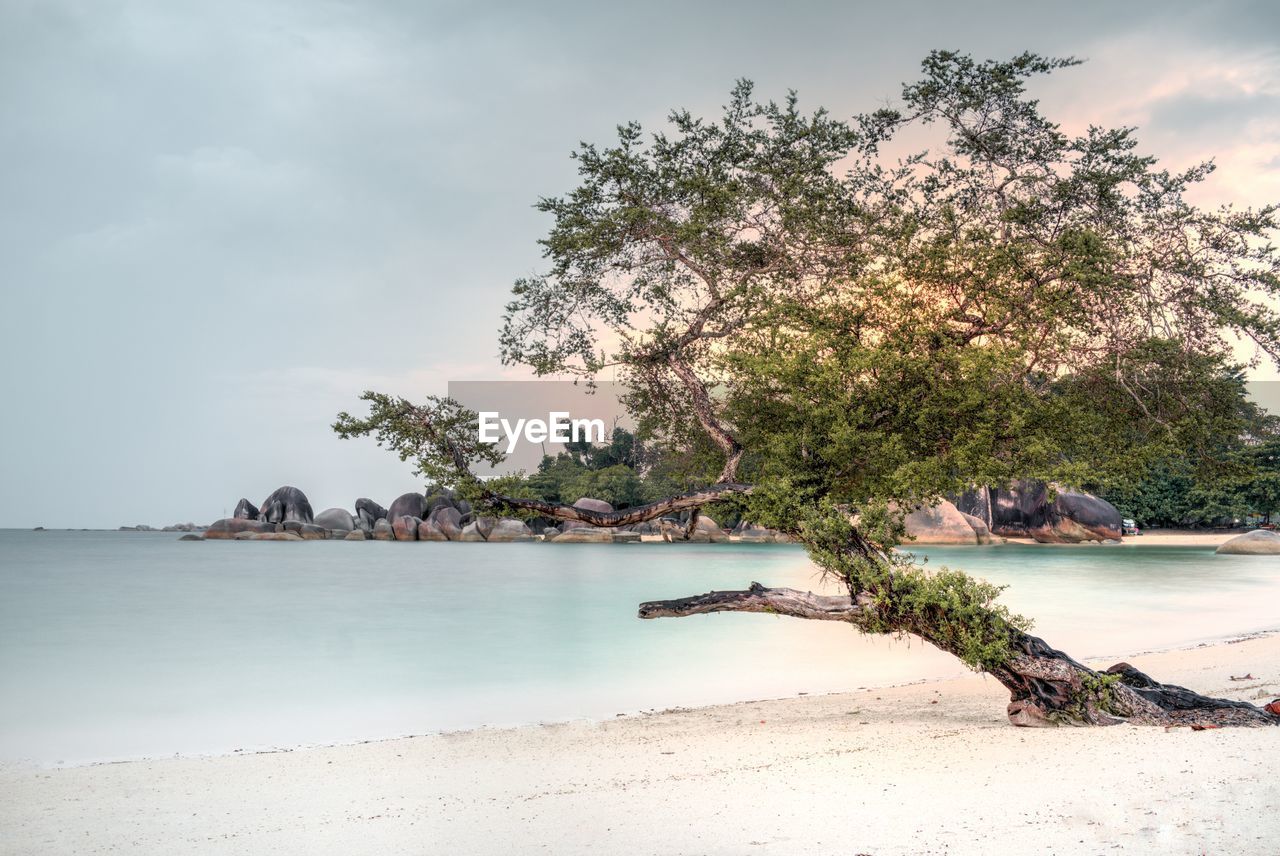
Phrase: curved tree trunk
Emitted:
{"points": [[1046, 686]]}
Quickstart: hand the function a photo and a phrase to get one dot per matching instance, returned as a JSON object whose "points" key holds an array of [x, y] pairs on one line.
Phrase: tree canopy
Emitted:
{"points": [[837, 326]]}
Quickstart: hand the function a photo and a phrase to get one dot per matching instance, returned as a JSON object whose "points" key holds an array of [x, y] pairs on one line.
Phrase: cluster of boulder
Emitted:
{"points": [[441, 515], [1025, 509]]}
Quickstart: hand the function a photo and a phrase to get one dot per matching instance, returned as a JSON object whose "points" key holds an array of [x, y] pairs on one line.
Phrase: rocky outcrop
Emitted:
{"points": [[942, 524], [706, 530], [1027, 510], [286, 503], [584, 535], [428, 531], [336, 519], [245, 510], [228, 527], [305, 531], [355, 535], [368, 513], [382, 530], [448, 521], [508, 529], [405, 527], [408, 505], [470, 533], [1259, 542]]}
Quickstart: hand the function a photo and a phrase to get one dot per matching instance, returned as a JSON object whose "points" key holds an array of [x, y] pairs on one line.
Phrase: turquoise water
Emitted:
{"points": [[119, 645]]}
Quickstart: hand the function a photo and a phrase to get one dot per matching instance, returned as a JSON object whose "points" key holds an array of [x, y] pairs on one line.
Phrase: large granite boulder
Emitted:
{"points": [[382, 530], [706, 530], [508, 529], [588, 504], [336, 519], [286, 503], [408, 505], [448, 521], [356, 535], [428, 531], [245, 510], [940, 524], [1259, 542], [751, 534], [1025, 510], [584, 535], [405, 527], [470, 532], [228, 527], [979, 527], [305, 531], [368, 513]]}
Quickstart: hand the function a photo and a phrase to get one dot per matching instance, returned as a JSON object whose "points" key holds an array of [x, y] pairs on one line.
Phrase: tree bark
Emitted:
{"points": [[1046, 686]]}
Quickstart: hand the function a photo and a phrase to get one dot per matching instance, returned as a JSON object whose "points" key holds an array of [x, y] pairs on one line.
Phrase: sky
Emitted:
{"points": [[223, 221]]}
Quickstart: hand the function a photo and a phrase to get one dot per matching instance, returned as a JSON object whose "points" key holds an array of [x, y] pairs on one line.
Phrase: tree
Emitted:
{"points": [[855, 335]]}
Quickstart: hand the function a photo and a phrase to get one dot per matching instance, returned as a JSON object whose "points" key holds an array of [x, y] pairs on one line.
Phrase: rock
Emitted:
{"points": [[626, 537], [229, 527], [368, 513], [1259, 542], [485, 524], [245, 536], [1024, 509], [941, 524], [507, 529], [671, 530], [408, 505], [979, 527], [355, 535], [751, 534], [286, 503], [189, 537], [584, 535], [245, 510], [1273, 707], [588, 504], [275, 536], [448, 521], [405, 527], [337, 519], [470, 532], [428, 531], [382, 531]]}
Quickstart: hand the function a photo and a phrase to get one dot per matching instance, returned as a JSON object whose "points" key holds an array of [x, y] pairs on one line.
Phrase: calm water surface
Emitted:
{"points": [[119, 645]]}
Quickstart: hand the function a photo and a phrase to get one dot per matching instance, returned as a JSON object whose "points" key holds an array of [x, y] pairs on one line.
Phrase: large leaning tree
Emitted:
{"points": [[852, 318]]}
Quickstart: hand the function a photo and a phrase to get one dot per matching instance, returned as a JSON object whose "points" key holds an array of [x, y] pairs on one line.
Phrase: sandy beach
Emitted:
{"points": [[926, 768]]}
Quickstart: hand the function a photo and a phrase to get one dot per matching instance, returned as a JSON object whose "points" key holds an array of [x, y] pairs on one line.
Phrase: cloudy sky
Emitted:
{"points": [[222, 221]]}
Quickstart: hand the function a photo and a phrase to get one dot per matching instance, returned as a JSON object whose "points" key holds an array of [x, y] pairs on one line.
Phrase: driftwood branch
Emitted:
{"points": [[758, 598], [639, 514]]}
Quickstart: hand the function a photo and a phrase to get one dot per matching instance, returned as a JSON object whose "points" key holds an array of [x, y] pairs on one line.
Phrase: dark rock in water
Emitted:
{"points": [[382, 531], [229, 527], [405, 527], [448, 521], [587, 504], [245, 510], [408, 505], [1024, 509], [286, 503], [338, 519], [368, 513], [190, 537], [38, 529]]}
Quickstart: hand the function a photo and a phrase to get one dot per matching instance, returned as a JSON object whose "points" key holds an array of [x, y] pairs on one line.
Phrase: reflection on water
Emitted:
{"points": [[120, 645]]}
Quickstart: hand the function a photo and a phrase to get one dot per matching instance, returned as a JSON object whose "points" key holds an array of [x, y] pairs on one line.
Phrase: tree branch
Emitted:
{"points": [[758, 598]]}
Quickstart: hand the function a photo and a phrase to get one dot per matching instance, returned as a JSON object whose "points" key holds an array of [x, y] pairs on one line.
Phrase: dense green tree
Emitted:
{"points": [[855, 333]]}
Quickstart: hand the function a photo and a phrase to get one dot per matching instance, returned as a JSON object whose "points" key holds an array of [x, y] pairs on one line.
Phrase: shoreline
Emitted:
{"points": [[936, 759]]}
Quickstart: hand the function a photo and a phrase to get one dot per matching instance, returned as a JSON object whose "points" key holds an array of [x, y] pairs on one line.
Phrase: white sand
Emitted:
{"points": [[880, 772]]}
